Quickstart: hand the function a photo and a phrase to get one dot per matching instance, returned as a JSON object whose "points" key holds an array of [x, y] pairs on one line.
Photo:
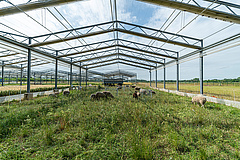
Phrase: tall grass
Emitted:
{"points": [[165, 126], [230, 92]]}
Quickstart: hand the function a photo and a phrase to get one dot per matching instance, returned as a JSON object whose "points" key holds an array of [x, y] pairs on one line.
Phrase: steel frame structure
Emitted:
{"points": [[98, 54]]}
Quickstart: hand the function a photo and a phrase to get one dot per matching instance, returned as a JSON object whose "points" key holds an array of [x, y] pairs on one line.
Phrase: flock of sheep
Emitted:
{"points": [[138, 92]]}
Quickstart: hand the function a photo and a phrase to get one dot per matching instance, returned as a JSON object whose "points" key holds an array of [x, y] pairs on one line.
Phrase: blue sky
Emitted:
{"points": [[222, 64]]}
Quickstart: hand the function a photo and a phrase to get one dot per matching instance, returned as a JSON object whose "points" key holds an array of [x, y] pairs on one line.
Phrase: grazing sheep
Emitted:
{"points": [[199, 100], [100, 95], [93, 96], [136, 95], [137, 88], [108, 94], [144, 91], [153, 92], [66, 93]]}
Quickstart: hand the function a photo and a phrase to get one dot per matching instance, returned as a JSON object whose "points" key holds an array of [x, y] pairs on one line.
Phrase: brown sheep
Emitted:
{"points": [[135, 95], [66, 93], [93, 96], [144, 91], [137, 88], [100, 95], [108, 94], [199, 100]]}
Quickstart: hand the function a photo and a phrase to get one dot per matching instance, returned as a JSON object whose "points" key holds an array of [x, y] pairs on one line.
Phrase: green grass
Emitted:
{"points": [[229, 92], [165, 126]]}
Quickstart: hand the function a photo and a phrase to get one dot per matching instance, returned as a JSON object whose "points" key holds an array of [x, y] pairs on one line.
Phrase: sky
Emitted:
{"points": [[217, 65]]}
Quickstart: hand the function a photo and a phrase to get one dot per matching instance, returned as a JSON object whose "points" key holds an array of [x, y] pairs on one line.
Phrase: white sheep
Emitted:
{"points": [[144, 91], [199, 100]]}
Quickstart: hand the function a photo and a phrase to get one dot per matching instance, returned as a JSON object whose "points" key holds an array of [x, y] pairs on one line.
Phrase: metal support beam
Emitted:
{"points": [[164, 76], [197, 10], [29, 68], [9, 77], [68, 78], [177, 72], [56, 70], [150, 74], [21, 74], [156, 75], [201, 69], [32, 5], [80, 74], [71, 74], [34, 78], [2, 72], [86, 77], [17, 79]]}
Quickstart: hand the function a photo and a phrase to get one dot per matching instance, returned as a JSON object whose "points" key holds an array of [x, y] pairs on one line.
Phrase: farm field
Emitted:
{"points": [[229, 92], [165, 126], [24, 87]]}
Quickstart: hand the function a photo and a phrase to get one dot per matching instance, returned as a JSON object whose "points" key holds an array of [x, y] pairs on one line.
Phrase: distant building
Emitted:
{"points": [[113, 82]]}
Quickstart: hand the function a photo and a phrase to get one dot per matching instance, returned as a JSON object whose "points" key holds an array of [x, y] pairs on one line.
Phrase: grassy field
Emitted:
{"points": [[230, 92], [165, 126]]}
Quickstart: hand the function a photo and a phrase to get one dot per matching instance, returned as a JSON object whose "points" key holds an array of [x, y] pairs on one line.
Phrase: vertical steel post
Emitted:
{"points": [[2, 72], [56, 70], [80, 74], [9, 77], [150, 73], [86, 77], [164, 75], [68, 78], [177, 72], [17, 79], [34, 78], [29, 68], [21, 75], [71, 74], [201, 69], [156, 75]]}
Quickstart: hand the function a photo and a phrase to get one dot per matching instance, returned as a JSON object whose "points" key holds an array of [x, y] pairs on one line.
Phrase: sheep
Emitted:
{"points": [[93, 96], [136, 95], [153, 92], [199, 100], [144, 92], [66, 93], [137, 88], [100, 95], [108, 94]]}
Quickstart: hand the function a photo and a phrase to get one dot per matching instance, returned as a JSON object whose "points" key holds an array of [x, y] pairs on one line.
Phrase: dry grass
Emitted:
{"points": [[24, 87], [229, 92]]}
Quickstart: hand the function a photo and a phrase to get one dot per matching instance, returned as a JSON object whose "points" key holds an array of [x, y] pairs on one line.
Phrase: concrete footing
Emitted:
{"points": [[28, 96]]}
